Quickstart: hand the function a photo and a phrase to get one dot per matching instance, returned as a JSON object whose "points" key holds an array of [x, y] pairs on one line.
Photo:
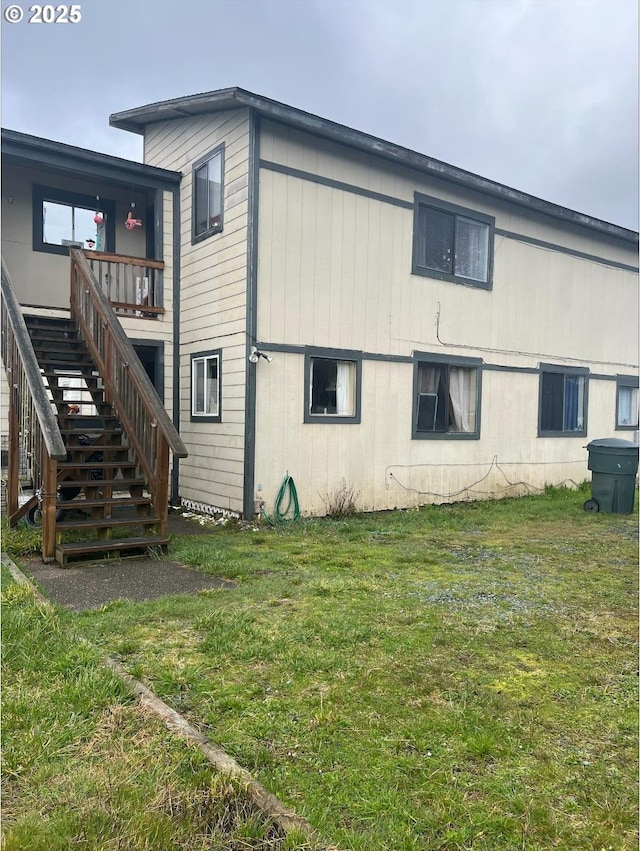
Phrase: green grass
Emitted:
{"points": [[449, 678], [85, 767]]}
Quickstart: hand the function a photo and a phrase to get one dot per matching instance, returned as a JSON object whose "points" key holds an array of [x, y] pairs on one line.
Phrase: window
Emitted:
{"points": [[64, 219], [627, 402], [452, 243], [207, 195], [332, 391], [446, 397], [563, 401], [205, 387]]}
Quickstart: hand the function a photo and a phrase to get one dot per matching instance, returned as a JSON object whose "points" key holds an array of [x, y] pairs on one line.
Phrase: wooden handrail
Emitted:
{"points": [[41, 403], [34, 434], [123, 258], [143, 416]]}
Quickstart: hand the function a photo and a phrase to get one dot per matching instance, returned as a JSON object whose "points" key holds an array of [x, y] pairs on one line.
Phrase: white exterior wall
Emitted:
{"points": [[334, 270], [213, 301]]}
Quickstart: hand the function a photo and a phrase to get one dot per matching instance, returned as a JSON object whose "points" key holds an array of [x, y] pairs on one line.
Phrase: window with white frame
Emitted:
{"points": [[333, 389], [627, 402], [446, 398], [205, 386], [452, 243], [563, 401], [207, 195]]}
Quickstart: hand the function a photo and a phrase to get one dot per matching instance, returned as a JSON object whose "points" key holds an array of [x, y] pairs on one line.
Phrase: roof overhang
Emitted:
{"points": [[135, 121], [25, 150]]}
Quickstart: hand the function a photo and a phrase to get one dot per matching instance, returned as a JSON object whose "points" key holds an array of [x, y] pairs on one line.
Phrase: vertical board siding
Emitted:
{"points": [[213, 299], [334, 270]]}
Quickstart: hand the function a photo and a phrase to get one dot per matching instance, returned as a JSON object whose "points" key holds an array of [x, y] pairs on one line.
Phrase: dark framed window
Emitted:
{"points": [[333, 381], [446, 394], [206, 386], [563, 401], [207, 180], [64, 219], [627, 402], [452, 243]]}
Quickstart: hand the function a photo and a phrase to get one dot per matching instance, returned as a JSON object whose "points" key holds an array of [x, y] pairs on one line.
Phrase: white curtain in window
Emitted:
{"points": [[428, 379], [345, 388], [628, 406], [460, 394], [472, 249]]}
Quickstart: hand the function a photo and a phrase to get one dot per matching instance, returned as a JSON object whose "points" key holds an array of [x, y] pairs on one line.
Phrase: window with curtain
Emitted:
{"points": [[627, 402], [563, 401], [207, 195], [205, 386], [446, 400], [333, 393], [452, 243]]}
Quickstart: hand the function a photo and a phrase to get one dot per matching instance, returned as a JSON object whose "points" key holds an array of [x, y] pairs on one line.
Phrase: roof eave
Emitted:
{"points": [[135, 120]]}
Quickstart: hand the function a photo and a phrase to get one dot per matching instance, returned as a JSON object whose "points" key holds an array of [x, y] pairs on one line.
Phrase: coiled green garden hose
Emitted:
{"points": [[280, 516]]}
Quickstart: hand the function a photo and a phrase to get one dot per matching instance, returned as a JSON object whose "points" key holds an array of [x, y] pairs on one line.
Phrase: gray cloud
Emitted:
{"points": [[538, 94]]}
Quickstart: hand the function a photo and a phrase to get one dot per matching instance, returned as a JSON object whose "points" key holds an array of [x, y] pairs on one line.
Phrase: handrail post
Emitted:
{"points": [[162, 483], [13, 459], [49, 485]]}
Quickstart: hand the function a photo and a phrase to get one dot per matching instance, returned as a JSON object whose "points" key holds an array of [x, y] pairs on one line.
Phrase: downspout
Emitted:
{"points": [[175, 469], [251, 318]]}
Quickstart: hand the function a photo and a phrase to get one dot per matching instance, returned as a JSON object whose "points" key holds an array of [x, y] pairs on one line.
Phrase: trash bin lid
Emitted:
{"points": [[612, 443]]}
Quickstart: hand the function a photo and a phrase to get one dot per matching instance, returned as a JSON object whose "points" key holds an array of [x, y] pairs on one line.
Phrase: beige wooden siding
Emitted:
{"points": [[334, 270], [213, 301], [40, 278]]}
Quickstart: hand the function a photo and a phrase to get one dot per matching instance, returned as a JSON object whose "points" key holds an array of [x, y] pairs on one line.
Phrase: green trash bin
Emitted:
{"points": [[614, 464]]}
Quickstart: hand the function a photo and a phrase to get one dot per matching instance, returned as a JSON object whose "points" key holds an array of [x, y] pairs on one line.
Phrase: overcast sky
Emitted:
{"points": [[538, 94]]}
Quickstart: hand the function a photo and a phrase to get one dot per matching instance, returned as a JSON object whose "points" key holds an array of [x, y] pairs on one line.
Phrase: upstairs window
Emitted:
{"points": [[446, 398], [563, 401], [63, 220], [452, 243], [207, 195], [205, 387], [332, 391], [627, 402]]}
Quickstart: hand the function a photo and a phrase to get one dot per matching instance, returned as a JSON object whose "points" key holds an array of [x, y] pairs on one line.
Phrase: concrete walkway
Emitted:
{"points": [[89, 586]]}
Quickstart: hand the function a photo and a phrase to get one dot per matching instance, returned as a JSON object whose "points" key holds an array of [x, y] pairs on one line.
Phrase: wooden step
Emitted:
{"points": [[104, 502], [106, 522], [82, 466], [66, 552]]}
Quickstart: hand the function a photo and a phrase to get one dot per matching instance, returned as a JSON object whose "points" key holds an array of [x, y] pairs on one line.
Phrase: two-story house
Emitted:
{"points": [[341, 309]]}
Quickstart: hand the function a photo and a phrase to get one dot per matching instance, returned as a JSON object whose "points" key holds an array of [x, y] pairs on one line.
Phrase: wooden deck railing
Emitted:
{"points": [[150, 432], [133, 285], [34, 435]]}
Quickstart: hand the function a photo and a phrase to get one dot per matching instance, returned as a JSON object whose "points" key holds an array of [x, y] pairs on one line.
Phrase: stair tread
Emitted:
{"points": [[106, 522], [104, 502], [106, 465], [111, 544]]}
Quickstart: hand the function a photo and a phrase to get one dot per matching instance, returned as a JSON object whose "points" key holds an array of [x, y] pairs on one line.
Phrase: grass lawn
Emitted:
{"points": [[457, 677]]}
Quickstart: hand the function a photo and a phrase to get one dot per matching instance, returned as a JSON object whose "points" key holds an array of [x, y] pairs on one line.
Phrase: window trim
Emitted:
{"points": [[420, 201], [219, 150], [206, 418], [337, 355], [564, 370], [624, 381], [41, 193], [449, 360]]}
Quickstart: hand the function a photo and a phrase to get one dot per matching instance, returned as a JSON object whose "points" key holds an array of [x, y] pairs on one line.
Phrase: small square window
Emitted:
{"points": [[627, 402], [563, 401], [452, 243], [333, 388], [205, 387], [207, 195], [446, 398]]}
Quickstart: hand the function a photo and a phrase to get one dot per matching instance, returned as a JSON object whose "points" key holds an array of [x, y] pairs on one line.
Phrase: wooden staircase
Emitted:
{"points": [[87, 420], [100, 487]]}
